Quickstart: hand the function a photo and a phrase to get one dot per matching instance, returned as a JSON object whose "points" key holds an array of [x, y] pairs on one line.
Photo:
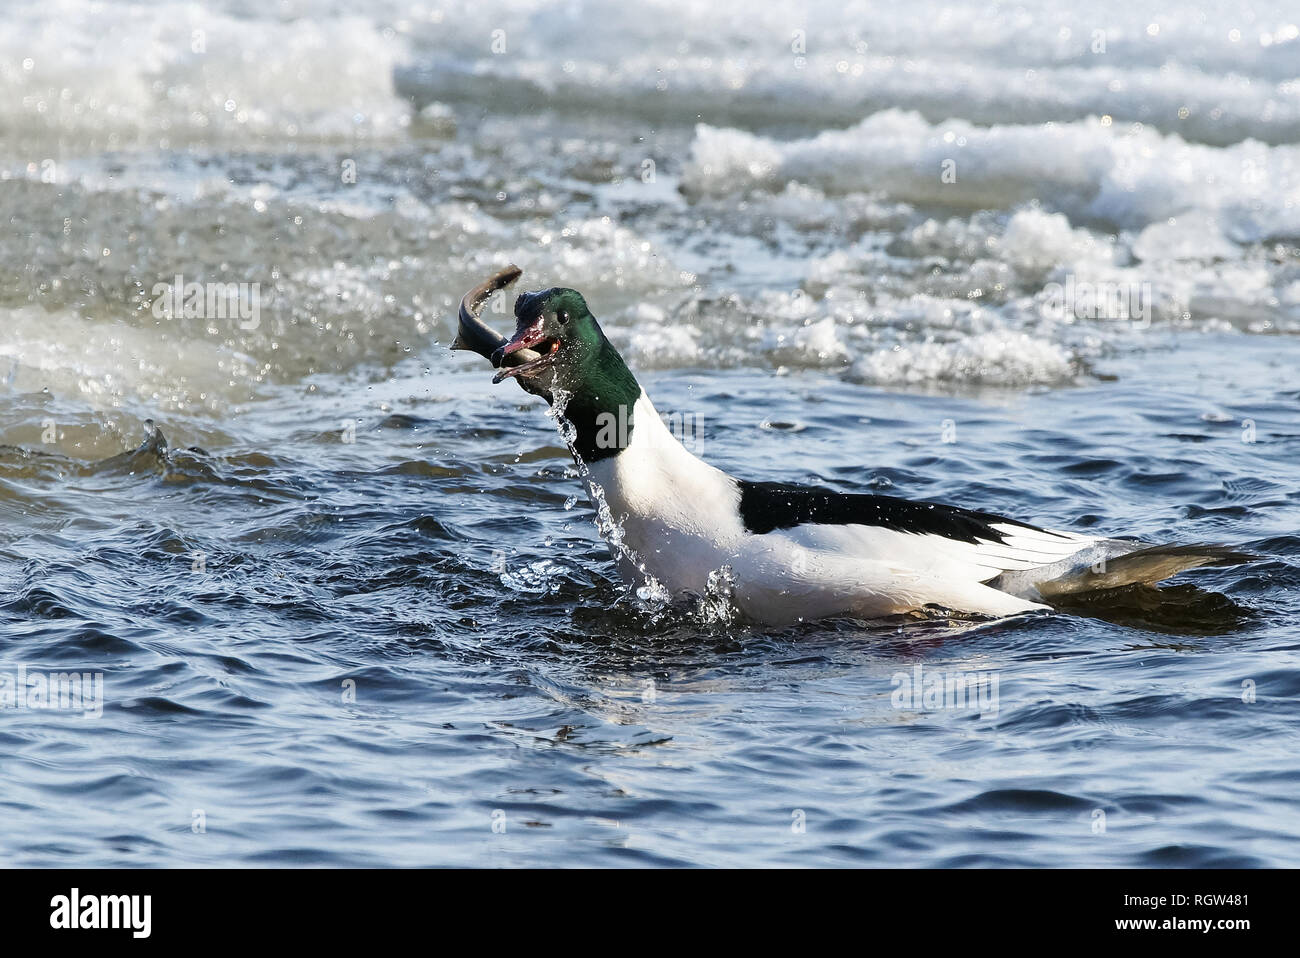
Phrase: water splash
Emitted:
{"points": [[649, 591], [717, 606], [536, 578]]}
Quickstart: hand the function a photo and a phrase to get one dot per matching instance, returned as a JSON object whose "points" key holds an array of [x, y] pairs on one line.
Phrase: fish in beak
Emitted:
{"points": [[531, 338], [477, 336]]}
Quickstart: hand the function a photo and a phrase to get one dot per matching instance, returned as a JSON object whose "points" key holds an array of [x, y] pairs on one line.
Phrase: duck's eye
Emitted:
{"points": [[562, 316]]}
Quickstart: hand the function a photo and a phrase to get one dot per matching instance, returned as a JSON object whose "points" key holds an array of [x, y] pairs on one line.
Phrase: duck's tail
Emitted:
{"points": [[1145, 566], [1112, 564]]}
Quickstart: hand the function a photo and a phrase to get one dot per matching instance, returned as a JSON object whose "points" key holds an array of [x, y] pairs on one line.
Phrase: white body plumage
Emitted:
{"points": [[682, 519]]}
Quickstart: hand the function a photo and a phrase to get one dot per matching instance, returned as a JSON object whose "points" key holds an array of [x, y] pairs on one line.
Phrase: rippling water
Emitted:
{"points": [[347, 600]]}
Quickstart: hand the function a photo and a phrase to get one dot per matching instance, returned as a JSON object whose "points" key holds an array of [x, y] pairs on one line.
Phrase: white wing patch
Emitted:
{"points": [[1025, 548], [1021, 548]]}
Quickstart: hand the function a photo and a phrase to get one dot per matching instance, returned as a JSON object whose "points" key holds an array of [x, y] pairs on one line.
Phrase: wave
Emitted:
{"points": [[1092, 170], [174, 71], [168, 73]]}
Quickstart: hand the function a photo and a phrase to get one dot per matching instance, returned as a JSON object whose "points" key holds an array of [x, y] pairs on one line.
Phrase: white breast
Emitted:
{"points": [[679, 515]]}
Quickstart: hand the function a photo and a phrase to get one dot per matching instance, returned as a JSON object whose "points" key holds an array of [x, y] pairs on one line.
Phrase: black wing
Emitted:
{"points": [[765, 506]]}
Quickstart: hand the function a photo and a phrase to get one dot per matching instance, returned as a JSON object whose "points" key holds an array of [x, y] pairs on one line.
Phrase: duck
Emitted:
{"points": [[787, 552]]}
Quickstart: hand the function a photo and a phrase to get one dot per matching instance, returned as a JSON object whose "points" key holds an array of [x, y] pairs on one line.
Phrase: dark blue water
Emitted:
{"points": [[502, 677], [348, 604]]}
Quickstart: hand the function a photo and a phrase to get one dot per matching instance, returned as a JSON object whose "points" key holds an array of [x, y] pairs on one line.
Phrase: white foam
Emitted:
{"points": [[1218, 74], [1195, 235], [322, 68], [1000, 359], [1037, 240], [845, 250], [176, 71], [113, 365], [1088, 169]]}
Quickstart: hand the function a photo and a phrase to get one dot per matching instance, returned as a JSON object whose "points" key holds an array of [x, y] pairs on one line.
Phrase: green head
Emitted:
{"points": [[576, 359]]}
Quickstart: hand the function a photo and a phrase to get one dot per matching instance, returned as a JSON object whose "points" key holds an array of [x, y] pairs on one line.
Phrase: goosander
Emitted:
{"points": [[788, 552]]}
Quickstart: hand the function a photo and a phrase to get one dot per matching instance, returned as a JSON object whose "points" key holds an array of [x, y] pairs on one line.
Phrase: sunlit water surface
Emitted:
{"points": [[347, 599]]}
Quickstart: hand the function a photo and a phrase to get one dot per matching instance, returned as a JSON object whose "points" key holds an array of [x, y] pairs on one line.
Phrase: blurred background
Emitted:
{"points": [[890, 193]]}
